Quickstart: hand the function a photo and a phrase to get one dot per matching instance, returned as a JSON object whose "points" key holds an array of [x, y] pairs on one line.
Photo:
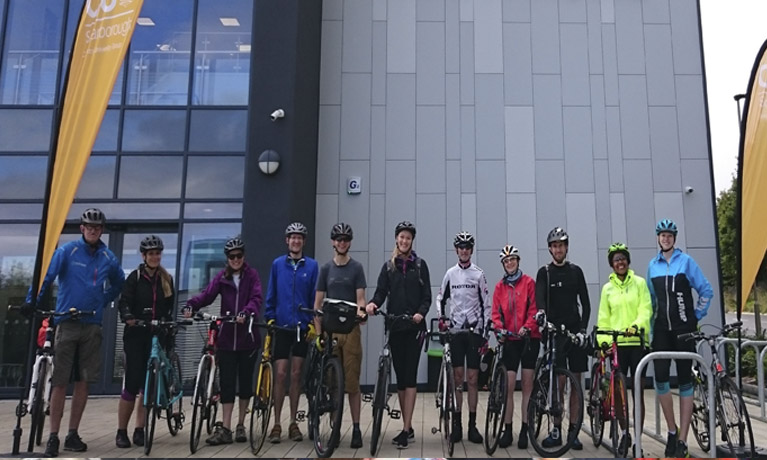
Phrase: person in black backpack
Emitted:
{"points": [[404, 279]]}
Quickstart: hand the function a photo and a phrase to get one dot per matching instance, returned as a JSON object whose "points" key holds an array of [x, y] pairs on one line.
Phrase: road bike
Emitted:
{"points": [[498, 392]]}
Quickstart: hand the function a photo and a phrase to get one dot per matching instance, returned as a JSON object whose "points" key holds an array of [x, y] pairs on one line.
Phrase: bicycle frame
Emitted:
{"points": [[208, 355], [164, 400], [44, 354]]}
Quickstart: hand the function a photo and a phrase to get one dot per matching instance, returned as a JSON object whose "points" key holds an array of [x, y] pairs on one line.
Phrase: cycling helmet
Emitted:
{"points": [[464, 239], [666, 225], [296, 228], [93, 216], [618, 248], [341, 229], [151, 242], [557, 234], [405, 225], [509, 251], [234, 244]]}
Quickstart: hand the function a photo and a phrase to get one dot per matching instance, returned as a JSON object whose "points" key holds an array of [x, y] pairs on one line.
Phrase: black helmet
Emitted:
{"points": [[405, 225], [151, 242], [296, 228], [557, 234], [464, 239], [233, 244], [93, 216], [341, 229]]}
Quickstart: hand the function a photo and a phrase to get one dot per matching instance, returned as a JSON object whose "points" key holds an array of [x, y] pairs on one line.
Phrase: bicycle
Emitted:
{"points": [[381, 395], [497, 394], [163, 390], [608, 395], [39, 400], [550, 395], [731, 413]]}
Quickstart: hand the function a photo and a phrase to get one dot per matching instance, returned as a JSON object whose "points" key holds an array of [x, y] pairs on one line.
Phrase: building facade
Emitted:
{"points": [[505, 118]]}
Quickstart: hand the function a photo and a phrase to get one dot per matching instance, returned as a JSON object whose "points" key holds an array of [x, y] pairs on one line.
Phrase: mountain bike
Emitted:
{"points": [[163, 389], [552, 389], [731, 413], [381, 395], [608, 395]]}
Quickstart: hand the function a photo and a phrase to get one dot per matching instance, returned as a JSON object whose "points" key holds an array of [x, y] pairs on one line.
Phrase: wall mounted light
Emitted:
{"points": [[269, 162]]}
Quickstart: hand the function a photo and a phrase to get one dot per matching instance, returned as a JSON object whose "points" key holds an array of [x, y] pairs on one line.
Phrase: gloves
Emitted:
{"points": [[540, 318], [318, 343], [500, 335], [581, 339], [633, 330], [270, 322], [442, 325], [27, 310], [311, 333], [187, 311], [524, 331]]}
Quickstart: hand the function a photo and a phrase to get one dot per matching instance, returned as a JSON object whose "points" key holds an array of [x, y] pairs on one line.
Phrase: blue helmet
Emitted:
{"points": [[666, 225]]}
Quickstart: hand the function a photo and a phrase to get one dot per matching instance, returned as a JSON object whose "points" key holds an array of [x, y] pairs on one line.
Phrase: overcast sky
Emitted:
{"points": [[733, 32]]}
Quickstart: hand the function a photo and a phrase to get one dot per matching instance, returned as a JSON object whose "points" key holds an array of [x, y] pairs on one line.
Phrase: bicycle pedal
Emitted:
{"points": [[21, 410], [300, 416], [395, 414], [434, 430], [367, 397]]}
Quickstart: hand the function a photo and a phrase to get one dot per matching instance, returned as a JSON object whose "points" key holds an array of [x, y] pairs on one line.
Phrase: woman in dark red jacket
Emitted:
{"points": [[240, 290], [513, 311]]}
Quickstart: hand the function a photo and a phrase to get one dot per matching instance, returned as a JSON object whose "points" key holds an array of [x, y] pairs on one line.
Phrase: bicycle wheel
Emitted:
{"points": [[449, 407], [496, 408], [37, 410], [262, 408], [621, 406], [211, 404], [595, 407], [700, 411], [733, 417], [379, 403], [200, 401], [174, 413], [548, 410], [328, 408], [152, 410]]}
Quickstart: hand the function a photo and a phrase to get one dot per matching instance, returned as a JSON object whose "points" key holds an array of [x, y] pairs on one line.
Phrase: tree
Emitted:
{"points": [[726, 207]]}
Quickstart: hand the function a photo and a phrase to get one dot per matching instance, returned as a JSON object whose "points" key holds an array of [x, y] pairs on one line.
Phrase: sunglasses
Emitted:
{"points": [[238, 255], [619, 259], [343, 239]]}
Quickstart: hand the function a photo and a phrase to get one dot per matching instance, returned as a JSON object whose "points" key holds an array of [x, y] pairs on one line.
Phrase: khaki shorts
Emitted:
{"points": [[349, 349], [77, 344]]}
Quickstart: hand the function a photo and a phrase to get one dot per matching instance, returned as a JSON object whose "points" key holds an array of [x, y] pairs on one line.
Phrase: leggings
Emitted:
{"points": [[236, 367], [405, 352]]}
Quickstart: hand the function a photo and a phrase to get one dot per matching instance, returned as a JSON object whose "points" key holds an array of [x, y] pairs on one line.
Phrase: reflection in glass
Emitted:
{"points": [[154, 130], [31, 55], [106, 140], [212, 211], [202, 254], [158, 70], [222, 52], [155, 177], [215, 177], [127, 211], [21, 211], [25, 130], [218, 131], [131, 256], [22, 177], [98, 179]]}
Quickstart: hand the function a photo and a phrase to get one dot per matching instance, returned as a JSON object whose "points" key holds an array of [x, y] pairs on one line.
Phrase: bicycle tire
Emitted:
{"points": [[328, 408], [211, 404], [537, 411], [150, 394], [496, 408], [700, 411], [621, 411], [596, 406], [449, 405], [37, 411], [174, 413], [379, 403], [199, 405], [261, 409], [729, 395]]}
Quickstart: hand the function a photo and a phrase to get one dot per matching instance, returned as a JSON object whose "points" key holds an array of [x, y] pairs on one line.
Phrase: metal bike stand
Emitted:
{"points": [[637, 402], [759, 373], [721, 343]]}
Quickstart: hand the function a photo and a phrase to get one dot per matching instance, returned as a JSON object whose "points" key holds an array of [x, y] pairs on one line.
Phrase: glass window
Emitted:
{"points": [[31, 56], [202, 255], [18, 211], [98, 179], [22, 177], [158, 69], [218, 131], [215, 177], [210, 211], [106, 140], [2, 11], [154, 130], [25, 130], [127, 211], [222, 52], [156, 177], [131, 257]]}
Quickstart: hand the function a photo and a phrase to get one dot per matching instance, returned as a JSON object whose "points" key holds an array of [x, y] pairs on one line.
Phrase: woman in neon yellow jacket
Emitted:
{"points": [[625, 305]]}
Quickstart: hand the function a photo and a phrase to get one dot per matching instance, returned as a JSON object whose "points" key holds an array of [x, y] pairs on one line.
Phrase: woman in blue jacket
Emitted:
{"points": [[240, 290]]}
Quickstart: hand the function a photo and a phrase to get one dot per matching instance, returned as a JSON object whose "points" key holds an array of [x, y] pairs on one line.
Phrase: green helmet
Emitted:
{"points": [[616, 248]]}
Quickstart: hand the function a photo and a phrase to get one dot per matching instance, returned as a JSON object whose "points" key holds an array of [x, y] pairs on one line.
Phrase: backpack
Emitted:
{"points": [[391, 268]]}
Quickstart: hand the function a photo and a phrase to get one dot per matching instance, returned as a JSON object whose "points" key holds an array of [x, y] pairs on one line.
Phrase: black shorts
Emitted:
{"points": [[665, 340], [524, 351], [576, 359], [285, 345], [235, 370], [464, 348]]}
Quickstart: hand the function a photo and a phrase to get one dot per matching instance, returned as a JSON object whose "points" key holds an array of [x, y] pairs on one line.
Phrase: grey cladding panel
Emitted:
{"points": [[452, 36], [355, 116], [582, 228], [489, 117], [685, 37], [452, 117], [614, 149], [330, 64], [400, 194], [332, 10], [691, 116], [660, 66], [656, 11], [665, 149], [572, 11], [594, 19], [579, 160], [430, 10], [545, 37], [516, 10], [328, 146], [610, 55], [453, 194], [491, 220], [634, 117], [468, 152], [520, 150], [327, 216], [550, 197], [488, 37], [378, 149], [378, 96], [467, 63], [430, 149], [521, 228], [575, 65], [639, 202], [400, 117], [400, 35], [517, 55], [548, 116], [602, 199], [698, 209], [358, 36], [432, 233], [630, 37], [354, 209], [430, 74], [598, 116]]}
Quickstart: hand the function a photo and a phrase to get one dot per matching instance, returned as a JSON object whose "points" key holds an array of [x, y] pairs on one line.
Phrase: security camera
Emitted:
{"points": [[688, 189], [277, 114]]}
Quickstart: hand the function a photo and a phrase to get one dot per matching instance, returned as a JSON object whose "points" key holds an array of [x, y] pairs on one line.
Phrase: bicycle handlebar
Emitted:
{"points": [[72, 312], [615, 334], [700, 335]]}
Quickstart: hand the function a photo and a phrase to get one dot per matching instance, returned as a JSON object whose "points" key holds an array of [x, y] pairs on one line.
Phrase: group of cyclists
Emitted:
{"points": [[660, 306]]}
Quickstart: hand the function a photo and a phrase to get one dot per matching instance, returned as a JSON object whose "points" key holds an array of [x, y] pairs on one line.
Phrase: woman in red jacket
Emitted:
{"points": [[513, 310]]}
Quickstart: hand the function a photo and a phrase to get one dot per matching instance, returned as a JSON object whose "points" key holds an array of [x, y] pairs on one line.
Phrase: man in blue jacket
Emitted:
{"points": [[292, 286], [90, 277]]}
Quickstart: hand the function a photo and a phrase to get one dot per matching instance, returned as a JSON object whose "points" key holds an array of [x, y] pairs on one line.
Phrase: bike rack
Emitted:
{"points": [[638, 404], [760, 349], [760, 380]]}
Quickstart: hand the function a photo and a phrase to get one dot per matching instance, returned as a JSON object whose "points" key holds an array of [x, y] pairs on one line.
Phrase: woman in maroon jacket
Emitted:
{"points": [[240, 290], [513, 310]]}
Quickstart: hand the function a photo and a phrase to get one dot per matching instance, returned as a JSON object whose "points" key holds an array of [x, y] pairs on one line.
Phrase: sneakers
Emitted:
{"points": [[275, 434], [671, 443], [239, 434], [623, 445], [401, 440], [522, 443], [554, 439], [222, 435], [457, 431], [681, 450], [73, 443], [474, 435], [52, 447], [410, 437], [506, 438], [356, 438], [574, 431], [138, 437], [294, 433], [121, 439]]}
